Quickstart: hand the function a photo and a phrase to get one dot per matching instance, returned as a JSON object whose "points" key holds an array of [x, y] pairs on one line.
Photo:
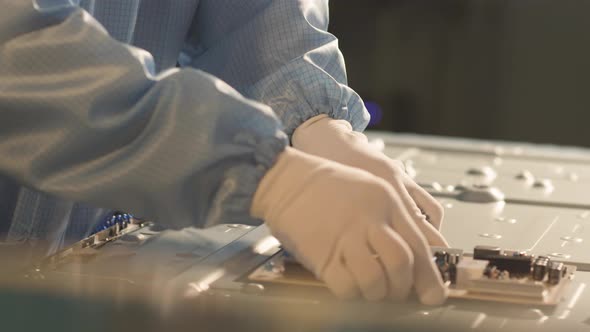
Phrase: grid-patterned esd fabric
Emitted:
{"points": [[274, 51]]}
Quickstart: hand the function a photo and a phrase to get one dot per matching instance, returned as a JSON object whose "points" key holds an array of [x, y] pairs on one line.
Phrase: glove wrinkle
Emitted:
{"points": [[326, 213]]}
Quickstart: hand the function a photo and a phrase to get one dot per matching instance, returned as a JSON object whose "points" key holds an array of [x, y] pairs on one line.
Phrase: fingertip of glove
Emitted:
{"points": [[435, 295]]}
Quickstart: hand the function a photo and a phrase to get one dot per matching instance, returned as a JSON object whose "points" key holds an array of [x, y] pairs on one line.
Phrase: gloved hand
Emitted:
{"points": [[347, 226], [335, 140]]}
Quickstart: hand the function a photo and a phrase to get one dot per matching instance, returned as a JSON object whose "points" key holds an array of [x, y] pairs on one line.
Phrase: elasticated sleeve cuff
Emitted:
{"points": [[233, 199]]}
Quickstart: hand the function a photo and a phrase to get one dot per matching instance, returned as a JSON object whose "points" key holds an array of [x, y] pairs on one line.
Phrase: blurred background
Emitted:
{"points": [[511, 70]]}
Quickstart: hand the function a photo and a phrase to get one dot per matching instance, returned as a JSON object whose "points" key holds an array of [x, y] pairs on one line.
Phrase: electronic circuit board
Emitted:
{"points": [[491, 274], [532, 199]]}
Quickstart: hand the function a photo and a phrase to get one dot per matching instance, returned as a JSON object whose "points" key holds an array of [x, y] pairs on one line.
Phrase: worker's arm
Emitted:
{"points": [[277, 52], [347, 226], [82, 116]]}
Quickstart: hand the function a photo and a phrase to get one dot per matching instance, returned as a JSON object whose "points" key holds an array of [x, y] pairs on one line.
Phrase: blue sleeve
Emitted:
{"points": [[277, 52], [82, 116]]}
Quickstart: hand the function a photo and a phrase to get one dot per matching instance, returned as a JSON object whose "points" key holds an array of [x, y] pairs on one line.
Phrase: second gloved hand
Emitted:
{"points": [[347, 226], [335, 140]]}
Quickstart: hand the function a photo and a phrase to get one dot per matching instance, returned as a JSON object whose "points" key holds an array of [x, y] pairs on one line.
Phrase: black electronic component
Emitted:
{"points": [[447, 265], [441, 259], [491, 271], [519, 264], [483, 252], [556, 270], [453, 261], [540, 268]]}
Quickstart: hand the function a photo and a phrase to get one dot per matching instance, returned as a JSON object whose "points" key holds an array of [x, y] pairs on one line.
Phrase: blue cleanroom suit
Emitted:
{"points": [[87, 120]]}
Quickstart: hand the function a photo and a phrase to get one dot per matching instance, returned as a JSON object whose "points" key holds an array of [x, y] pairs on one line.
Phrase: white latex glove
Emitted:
{"points": [[335, 140], [348, 227]]}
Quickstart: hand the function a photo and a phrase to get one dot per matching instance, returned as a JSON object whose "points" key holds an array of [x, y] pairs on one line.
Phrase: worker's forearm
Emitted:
{"points": [[83, 117]]}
